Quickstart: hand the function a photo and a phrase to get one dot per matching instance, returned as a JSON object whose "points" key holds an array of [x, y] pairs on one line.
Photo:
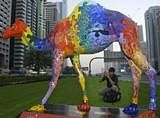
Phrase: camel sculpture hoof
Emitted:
{"points": [[148, 114], [37, 108], [84, 107], [132, 110]]}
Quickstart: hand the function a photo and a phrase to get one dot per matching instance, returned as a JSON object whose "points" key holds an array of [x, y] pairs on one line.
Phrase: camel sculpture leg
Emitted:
{"points": [[84, 107], [136, 74], [141, 62], [130, 45], [58, 61]]}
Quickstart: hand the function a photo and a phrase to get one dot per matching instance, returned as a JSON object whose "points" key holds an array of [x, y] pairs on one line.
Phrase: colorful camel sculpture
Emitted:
{"points": [[91, 28]]}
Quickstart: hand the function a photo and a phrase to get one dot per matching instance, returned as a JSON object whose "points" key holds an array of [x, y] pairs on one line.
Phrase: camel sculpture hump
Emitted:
{"points": [[91, 28]]}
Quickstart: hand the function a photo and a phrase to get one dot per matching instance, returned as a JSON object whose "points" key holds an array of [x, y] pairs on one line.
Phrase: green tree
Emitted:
{"points": [[69, 70], [37, 60]]}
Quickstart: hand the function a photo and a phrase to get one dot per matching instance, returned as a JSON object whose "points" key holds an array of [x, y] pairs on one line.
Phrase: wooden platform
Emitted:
{"points": [[70, 111]]}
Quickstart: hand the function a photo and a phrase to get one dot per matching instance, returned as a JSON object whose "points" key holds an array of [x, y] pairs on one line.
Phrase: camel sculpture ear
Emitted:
{"points": [[26, 31], [26, 36], [16, 30]]}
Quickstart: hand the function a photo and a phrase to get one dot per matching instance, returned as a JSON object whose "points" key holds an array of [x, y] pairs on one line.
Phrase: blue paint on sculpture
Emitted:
{"points": [[42, 44], [97, 14], [95, 25], [131, 109]]}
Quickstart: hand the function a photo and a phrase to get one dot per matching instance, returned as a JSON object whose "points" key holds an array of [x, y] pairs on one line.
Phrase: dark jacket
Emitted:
{"points": [[114, 78]]}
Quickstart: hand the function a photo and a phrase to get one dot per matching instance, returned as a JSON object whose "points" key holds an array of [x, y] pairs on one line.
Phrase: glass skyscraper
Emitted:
{"points": [[152, 22]]}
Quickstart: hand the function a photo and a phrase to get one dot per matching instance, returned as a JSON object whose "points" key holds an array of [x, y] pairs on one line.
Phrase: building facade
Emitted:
{"points": [[64, 8], [51, 16], [54, 12], [31, 15], [26, 10], [5, 20], [152, 22], [17, 49], [41, 17], [142, 42], [117, 60]]}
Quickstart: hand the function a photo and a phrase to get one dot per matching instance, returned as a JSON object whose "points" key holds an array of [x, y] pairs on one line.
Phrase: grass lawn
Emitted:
{"points": [[17, 98]]}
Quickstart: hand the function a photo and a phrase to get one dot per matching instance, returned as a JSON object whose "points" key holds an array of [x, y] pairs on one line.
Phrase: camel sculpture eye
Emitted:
{"points": [[104, 32], [100, 31], [96, 34]]}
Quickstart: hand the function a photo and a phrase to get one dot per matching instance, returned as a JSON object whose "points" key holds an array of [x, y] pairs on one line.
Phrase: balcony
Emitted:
{"points": [[19, 54], [19, 49], [18, 65], [18, 58], [19, 46]]}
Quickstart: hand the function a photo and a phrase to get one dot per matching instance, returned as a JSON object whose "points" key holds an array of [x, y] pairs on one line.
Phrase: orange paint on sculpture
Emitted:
{"points": [[132, 43], [16, 30], [60, 39]]}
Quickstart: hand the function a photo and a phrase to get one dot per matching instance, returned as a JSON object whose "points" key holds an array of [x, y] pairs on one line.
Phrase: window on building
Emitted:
{"points": [[55, 14]]}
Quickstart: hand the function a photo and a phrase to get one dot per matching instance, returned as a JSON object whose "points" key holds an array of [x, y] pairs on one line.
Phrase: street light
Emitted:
{"points": [[91, 62]]}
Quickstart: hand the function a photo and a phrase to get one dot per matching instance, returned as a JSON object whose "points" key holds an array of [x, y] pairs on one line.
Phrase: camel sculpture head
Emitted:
{"points": [[18, 30]]}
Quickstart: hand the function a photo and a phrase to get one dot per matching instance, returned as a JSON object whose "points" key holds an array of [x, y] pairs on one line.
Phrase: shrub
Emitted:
{"points": [[18, 79]]}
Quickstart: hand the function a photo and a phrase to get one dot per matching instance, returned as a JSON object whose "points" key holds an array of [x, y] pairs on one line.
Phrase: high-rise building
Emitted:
{"points": [[142, 42], [152, 22], [17, 49], [140, 28], [51, 16], [64, 8], [26, 11], [5, 20], [31, 11], [41, 23], [54, 12]]}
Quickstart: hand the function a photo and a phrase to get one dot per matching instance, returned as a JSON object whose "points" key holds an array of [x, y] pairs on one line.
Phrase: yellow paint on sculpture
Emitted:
{"points": [[37, 108], [25, 37], [73, 33], [138, 72], [75, 14], [134, 100]]}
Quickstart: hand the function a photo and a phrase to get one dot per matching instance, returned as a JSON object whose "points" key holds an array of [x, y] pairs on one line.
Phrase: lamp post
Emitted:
{"points": [[89, 72]]}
